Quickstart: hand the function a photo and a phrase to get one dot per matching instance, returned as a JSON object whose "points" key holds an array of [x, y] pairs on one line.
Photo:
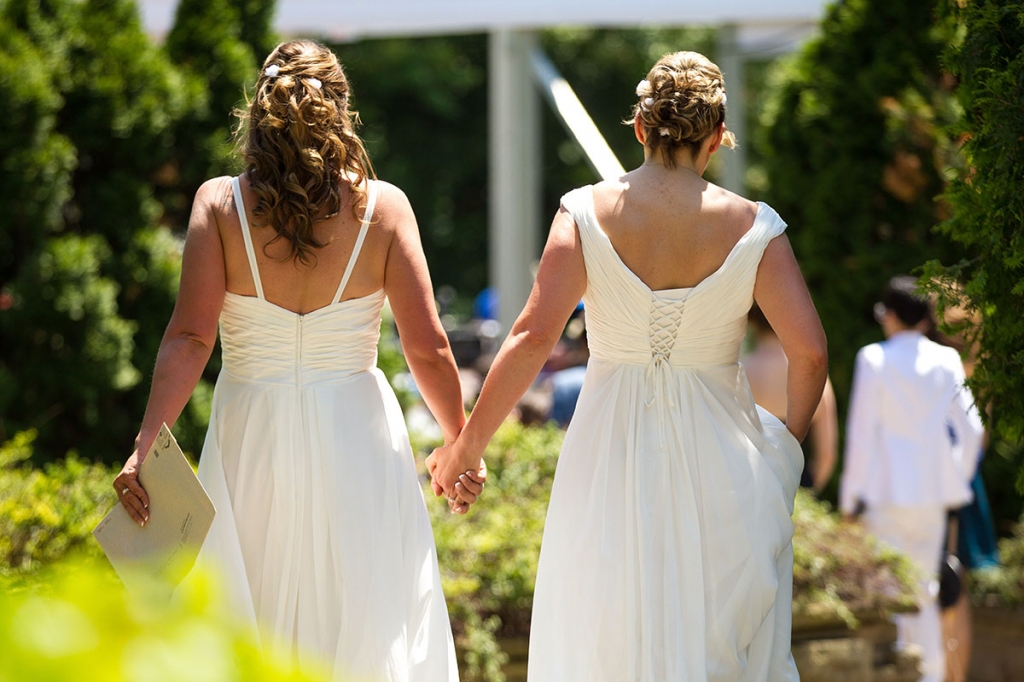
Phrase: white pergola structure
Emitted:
{"points": [[518, 72]]}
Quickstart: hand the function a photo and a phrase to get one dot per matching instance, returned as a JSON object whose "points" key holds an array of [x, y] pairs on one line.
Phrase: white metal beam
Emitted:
{"points": [[514, 163]]}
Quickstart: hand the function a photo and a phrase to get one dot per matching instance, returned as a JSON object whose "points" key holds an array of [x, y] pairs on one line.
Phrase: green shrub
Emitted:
{"points": [[989, 204], [854, 156], [47, 514], [488, 558], [1003, 584], [841, 573], [77, 623]]}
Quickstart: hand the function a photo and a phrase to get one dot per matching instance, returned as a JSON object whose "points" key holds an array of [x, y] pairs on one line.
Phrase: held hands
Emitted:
{"points": [[460, 484]]}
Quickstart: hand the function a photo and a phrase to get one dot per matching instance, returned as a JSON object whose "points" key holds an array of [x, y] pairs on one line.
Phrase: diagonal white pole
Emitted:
{"points": [[574, 117]]}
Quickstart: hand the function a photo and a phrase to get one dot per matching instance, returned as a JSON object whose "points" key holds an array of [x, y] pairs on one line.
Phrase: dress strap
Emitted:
{"points": [[371, 201], [249, 250]]}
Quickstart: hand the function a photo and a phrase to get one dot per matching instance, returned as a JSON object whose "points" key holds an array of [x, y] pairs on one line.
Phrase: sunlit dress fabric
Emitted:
{"points": [[321, 535], [667, 551]]}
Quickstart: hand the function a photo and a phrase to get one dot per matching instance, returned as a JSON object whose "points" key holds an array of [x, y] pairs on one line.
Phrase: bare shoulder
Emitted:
{"points": [[392, 212], [729, 206], [214, 201], [609, 193]]}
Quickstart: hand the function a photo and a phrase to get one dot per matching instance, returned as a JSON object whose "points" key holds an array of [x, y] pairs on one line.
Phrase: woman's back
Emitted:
{"points": [[670, 227], [304, 287]]}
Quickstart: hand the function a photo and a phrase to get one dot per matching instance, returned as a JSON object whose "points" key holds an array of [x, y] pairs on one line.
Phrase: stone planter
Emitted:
{"points": [[827, 650], [998, 644]]}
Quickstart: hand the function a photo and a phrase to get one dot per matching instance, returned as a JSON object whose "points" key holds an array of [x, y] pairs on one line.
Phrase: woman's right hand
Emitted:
{"points": [[131, 493]]}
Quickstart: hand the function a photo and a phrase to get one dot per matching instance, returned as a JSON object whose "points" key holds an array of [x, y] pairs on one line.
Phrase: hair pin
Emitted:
{"points": [[272, 71], [315, 82], [642, 87]]}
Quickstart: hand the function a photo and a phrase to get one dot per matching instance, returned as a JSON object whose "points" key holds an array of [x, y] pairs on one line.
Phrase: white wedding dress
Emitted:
{"points": [[667, 553], [321, 533]]}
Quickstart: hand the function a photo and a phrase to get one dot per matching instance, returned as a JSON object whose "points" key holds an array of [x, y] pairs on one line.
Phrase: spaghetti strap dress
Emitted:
{"points": [[321, 535]]}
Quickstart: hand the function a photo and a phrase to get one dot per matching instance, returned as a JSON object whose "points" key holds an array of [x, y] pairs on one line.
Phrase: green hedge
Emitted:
{"points": [[77, 623], [988, 222]]}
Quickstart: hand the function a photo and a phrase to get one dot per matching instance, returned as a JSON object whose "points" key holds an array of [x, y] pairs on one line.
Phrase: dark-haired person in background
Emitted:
{"points": [[912, 440]]}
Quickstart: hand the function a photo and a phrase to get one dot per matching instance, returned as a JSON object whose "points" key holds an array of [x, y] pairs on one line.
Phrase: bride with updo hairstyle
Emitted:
{"points": [[667, 550], [682, 102], [321, 535]]}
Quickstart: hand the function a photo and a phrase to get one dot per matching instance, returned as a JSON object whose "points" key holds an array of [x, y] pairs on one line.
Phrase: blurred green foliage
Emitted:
{"points": [[854, 155], [988, 203], [103, 140], [47, 514], [1003, 585], [78, 623], [841, 573]]}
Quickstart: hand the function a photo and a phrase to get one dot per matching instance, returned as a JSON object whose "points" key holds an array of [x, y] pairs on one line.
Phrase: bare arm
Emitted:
{"points": [[824, 435], [561, 282], [424, 342], [783, 297], [187, 342]]}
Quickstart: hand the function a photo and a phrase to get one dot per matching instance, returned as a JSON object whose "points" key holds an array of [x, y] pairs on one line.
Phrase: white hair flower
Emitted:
{"points": [[642, 87], [315, 82], [272, 71], [664, 132], [648, 103], [724, 98]]}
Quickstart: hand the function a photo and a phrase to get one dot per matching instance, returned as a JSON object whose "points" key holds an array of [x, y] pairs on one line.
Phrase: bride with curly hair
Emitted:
{"points": [[321, 530]]}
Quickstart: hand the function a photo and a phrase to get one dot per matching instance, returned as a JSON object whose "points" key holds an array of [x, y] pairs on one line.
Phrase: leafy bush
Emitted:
{"points": [[841, 573], [988, 202], [78, 623], [1003, 584], [854, 156], [47, 514], [488, 558]]}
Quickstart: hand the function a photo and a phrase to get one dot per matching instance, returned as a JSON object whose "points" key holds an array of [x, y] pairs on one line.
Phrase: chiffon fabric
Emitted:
{"points": [[667, 552], [321, 533]]}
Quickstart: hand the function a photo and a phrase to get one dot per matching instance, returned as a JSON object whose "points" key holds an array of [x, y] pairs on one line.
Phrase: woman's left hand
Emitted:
{"points": [[130, 492]]}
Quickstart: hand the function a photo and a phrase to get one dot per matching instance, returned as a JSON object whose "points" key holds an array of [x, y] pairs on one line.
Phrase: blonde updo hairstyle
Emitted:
{"points": [[298, 142], [681, 102]]}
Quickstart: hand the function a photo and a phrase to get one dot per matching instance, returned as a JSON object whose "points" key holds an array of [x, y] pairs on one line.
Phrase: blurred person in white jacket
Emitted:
{"points": [[912, 440]]}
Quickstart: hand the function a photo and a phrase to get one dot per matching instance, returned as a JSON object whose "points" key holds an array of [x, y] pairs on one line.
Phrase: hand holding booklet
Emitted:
{"points": [[180, 515]]}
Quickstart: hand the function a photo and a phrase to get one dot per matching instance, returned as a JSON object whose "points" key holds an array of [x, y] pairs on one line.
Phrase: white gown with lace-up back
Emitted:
{"points": [[321, 533], [667, 551]]}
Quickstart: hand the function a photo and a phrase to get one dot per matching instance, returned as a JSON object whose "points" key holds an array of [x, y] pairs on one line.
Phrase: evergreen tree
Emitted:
{"points": [[988, 200], [92, 281], [854, 155]]}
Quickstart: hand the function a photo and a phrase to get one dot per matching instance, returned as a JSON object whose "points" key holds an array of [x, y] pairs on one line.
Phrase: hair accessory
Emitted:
{"points": [[642, 87], [272, 71], [664, 132], [724, 98], [315, 82]]}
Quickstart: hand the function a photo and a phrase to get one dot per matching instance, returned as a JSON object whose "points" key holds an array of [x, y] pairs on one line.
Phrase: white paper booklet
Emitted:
{"points": [[180, 515]]}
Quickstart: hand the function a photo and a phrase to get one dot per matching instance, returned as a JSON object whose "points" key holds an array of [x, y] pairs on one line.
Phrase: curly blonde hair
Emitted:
{"points": [[298, 141], [681, 102]]}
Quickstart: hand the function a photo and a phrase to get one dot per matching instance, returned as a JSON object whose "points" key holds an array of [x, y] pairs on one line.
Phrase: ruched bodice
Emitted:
{"points": [[673, 492], [265, 343]]}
